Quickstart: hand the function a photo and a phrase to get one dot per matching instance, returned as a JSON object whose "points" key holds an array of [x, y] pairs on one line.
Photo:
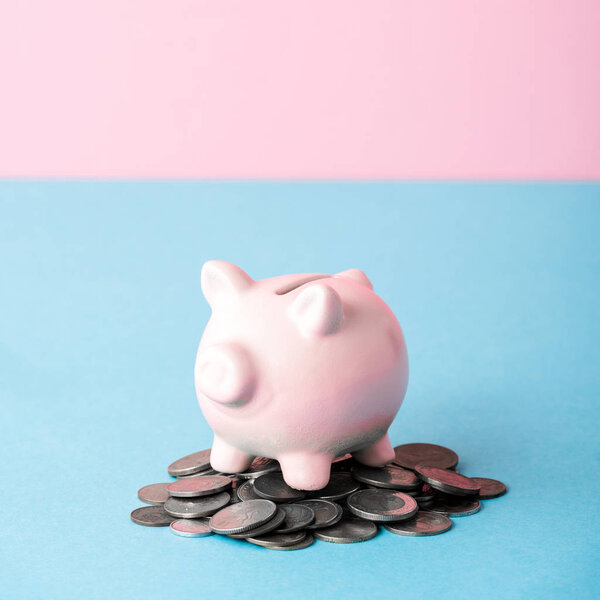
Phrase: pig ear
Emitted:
{"points": [[221, 279], [224, 373], [317, 310], [356, 275]]}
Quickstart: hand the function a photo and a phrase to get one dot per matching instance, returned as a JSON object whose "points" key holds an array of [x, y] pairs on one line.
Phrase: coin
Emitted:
{"points": [[340, 486], [191, 487], [426, 491], [193, 508], [425, 495], [155, 493], [327, 513], [209, 471], [489, 488], [410, 455], [191, 527], [382, 505], [151, 516], [235, 484], [414, 496], [246, 492], [305, 543], [278, 539], [453, 506], [192, 463], [297, 516], [271, 525], [243, 516], [390, 476], [348, 531], [447, 481], [260, 466], [273, 487], [423, 524]]}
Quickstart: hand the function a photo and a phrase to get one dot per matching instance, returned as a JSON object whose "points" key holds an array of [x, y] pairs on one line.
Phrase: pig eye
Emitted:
{"points": [[290, 287]]}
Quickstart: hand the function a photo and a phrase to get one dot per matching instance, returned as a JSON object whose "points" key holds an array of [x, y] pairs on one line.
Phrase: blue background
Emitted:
{"points": [[497, 290]]}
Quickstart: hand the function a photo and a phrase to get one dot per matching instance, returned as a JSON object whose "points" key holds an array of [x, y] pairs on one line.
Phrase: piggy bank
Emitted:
{"points": [[299, 368]]}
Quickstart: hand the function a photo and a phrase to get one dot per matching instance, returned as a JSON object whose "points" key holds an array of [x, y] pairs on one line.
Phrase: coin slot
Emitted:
{"points": [[290, 287]]}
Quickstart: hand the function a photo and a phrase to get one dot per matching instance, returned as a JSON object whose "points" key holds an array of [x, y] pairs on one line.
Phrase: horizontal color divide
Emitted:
{"points": [[311, 90]]}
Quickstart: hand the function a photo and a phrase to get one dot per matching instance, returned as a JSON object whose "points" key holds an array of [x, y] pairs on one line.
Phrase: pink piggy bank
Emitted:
{"points": [[299, 368]]}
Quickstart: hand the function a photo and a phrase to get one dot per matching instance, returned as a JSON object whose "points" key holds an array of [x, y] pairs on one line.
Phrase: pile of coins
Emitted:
{"points": [[415, 495]]}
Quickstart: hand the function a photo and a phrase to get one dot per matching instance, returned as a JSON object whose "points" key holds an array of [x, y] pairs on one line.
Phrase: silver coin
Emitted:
{"points": [[305, 543], [340, 485], [155, 493], [327, 513], [425, 494], [447, 481], [246, 492], [382, 505], [267, 527], [192, 487], [243, 516], [192, 463], [348, 531], [297, 516], [194, 508], [260, 466], [454, 506], [390, 477], [273, 487], [203, 473], [489, 488], [235, 484], [411, 455], [191, 527], [151, 516], [424, 523], [278, 539]]}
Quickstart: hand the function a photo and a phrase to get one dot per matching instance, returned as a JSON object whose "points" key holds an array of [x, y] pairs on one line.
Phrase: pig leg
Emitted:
{"points": [[227, 458], [378, 454], [304, 471]]}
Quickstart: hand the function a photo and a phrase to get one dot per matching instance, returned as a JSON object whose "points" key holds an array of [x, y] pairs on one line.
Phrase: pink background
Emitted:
{"points": [[310, 89]]}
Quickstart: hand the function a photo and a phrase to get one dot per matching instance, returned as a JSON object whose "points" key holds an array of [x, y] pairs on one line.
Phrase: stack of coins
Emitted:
{"points": [[415, 495]]}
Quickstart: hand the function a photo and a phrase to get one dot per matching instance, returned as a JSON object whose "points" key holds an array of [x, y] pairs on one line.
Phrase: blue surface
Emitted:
{"points": [[497, 289]]}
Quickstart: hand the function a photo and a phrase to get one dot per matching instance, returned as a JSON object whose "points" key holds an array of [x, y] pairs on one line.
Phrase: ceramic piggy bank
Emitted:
{"points": [[299, 368]]}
